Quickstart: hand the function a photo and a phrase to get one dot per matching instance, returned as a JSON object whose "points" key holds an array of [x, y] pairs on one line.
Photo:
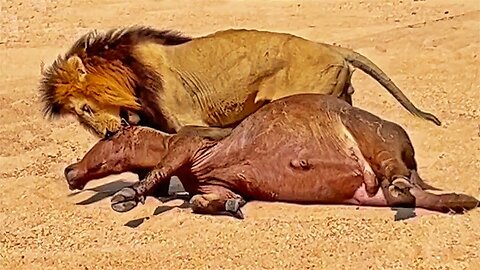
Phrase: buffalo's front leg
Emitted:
{"points": [[161, 190], [181, 149], [217, 200], [127, 198]]}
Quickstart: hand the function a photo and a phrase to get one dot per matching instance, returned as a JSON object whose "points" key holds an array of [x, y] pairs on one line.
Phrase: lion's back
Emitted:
{"points": [[236, 70]]}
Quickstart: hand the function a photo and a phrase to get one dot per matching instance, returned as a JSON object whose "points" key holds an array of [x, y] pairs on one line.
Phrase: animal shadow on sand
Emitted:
{"points": [[101, 192], [159, 210], [403, 213], [107, 190]]}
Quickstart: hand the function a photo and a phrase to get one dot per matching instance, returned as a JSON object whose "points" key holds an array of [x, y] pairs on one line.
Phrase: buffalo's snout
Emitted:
{"points": [[72, 174]]}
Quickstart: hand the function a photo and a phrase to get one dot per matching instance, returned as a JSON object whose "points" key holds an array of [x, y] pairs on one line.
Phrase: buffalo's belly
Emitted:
{"points": [[289, 150], [329, 184], [305, 175], [325, 183]]}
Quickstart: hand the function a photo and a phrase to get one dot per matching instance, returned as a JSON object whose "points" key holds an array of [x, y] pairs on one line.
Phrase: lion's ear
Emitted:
{"points": [[76, 64]]}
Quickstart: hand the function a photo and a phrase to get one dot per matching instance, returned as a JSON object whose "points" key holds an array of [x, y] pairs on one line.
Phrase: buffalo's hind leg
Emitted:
{"points": [[448, 202], [217, 200], [397, 178], [402, 184], [415, 196]]}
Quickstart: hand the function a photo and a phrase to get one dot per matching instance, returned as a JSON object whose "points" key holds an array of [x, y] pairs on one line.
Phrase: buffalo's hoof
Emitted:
{"points": [[233, 206], [124, 200], [400, 186]]}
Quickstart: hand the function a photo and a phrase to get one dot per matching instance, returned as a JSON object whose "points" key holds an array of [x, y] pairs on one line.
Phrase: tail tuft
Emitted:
{"points": [[429, 117]]}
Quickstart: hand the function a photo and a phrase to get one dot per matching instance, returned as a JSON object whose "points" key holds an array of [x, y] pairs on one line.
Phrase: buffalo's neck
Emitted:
{"points": [[149, 147]]}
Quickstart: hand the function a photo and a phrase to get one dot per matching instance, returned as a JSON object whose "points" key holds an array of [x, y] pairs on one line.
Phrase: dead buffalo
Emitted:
{"points": [[307, 148]]}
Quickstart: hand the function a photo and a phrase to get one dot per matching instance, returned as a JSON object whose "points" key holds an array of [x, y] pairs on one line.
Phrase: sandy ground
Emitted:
{"points": [[429, 48]]}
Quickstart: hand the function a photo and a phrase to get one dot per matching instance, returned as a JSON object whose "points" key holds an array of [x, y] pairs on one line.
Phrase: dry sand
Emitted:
{"points": [[429, 48]]}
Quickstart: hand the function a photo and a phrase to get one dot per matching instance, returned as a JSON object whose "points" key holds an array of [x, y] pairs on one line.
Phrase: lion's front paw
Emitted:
{"points": [[125, 200]]}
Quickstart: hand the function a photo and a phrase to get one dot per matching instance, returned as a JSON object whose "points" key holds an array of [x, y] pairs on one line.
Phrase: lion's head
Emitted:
{"points": [[95, 93], [95, 82]]}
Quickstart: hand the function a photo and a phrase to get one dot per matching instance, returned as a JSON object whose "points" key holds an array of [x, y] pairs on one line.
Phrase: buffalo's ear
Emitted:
{"points": [[76, 64]]}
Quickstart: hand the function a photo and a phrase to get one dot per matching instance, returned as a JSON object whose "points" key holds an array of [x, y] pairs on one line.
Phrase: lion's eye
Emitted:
{"points": [[87, 109]]}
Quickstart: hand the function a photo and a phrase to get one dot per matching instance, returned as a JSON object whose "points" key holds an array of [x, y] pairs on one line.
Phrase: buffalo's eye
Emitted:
{"points": [[108, 134], [87, 109]]}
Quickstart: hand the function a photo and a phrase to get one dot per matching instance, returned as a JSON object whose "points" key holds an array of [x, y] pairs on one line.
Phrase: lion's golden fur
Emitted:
{"points": [[171, 80], [103, 57]]}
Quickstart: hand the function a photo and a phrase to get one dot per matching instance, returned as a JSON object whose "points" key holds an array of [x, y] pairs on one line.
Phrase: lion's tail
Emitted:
{"points": [[367, 66]]}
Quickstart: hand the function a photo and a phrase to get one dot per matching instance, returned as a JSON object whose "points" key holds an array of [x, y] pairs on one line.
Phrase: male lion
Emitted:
{"points": [[167, 80]]}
